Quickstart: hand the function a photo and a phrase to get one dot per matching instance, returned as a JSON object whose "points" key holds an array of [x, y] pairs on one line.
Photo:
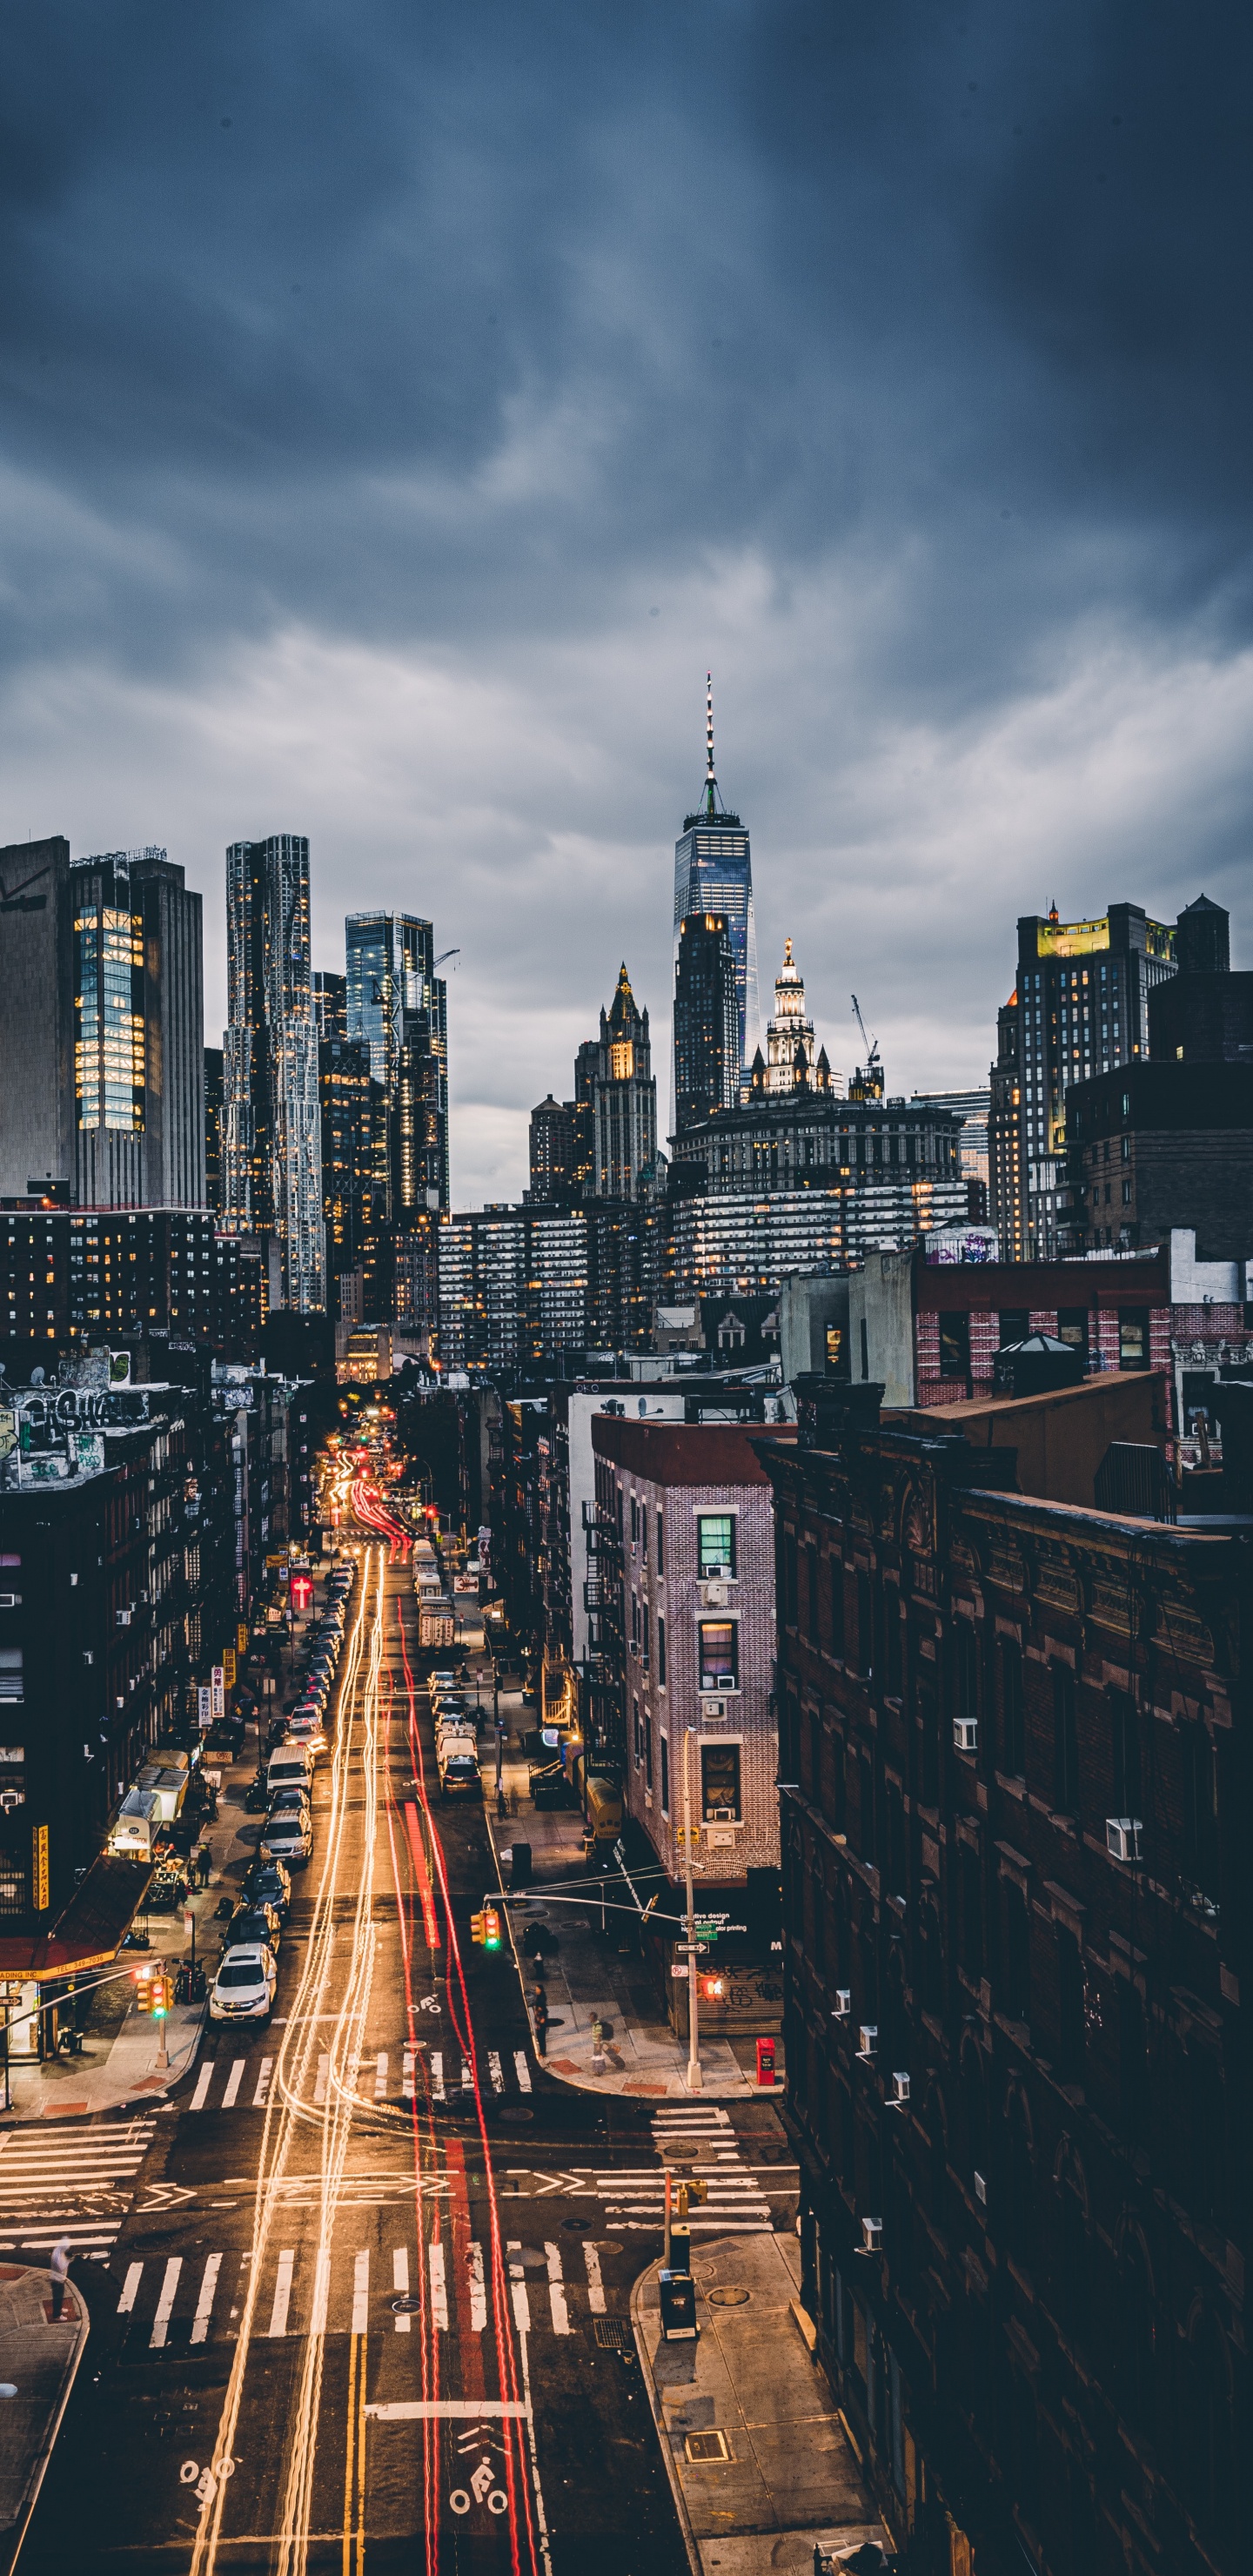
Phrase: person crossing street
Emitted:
{"points": [[59, 2267]]}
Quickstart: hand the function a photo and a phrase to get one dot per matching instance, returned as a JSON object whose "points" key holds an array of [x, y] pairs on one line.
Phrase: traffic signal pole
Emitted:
{"points": [[694, 2077]]}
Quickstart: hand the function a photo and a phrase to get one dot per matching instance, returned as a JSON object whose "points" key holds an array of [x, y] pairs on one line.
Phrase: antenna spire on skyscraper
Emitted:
{"points": [[711, 783]]}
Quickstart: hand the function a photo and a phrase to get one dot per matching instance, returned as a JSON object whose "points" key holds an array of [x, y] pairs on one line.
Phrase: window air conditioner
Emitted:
{"points": [[712, 1708], [843, 2003], [900, 2088], [966, 1734], [872, 2236], [723, 1816], [715, 1596], [868, 2040], [123, 1618], [981, 2190], [1122, 1837]]}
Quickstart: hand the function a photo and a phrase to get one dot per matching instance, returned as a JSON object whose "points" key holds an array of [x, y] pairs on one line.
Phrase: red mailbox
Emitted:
{"points": [[765, 2061]]}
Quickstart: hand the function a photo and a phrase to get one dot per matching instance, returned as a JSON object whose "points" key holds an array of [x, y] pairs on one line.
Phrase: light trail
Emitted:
{"points": [[284, 2108], [528, 2527]]}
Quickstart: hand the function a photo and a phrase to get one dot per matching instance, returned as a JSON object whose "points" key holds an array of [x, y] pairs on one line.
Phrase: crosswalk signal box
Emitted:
{"points": [[678, 2307]]}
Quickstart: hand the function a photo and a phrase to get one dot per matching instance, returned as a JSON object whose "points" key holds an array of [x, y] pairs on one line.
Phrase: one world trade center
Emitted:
{"points": [[713, 874]]}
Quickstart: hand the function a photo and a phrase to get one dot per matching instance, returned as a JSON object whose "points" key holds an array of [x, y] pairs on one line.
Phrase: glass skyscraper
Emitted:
{"points": [[397, 1006], [713, 873]]}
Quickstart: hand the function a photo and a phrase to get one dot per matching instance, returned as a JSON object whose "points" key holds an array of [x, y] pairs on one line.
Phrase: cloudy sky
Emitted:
{"points": [[404, 406]]}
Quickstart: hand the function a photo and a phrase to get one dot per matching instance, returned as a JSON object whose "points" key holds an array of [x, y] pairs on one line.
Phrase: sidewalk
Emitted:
{"points": [[760, 2465], [594, 1976], [38, 2361]]}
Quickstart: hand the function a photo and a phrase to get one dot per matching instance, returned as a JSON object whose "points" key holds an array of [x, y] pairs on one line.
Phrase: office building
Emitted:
{"points": [[354, 1152], [1012, 1748], [1167, 1143], [213, 1125], [615, 1117], [139, 1033], [330, 1005], [707, 1068], [974, 1108], [397, 1007], [101, 1046], [38, 1119], [805, 1179], [789, 1063], [551, 1154], [713, 873], [273, 1156], [1079, 1007]]}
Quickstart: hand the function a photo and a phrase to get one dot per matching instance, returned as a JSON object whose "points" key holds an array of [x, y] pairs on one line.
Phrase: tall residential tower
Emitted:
{"points": [[272, 1177]]}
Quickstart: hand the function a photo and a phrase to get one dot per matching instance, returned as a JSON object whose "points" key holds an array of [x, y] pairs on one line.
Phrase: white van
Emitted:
{"points": [[290, 1768]]}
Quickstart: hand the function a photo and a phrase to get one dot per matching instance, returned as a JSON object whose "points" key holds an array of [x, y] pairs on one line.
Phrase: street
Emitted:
{"points": [[368, 2305]]}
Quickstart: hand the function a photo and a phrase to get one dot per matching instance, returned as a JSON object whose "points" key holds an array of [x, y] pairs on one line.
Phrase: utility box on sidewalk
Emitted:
{"points": [[678, 2307], [765, 2061]]}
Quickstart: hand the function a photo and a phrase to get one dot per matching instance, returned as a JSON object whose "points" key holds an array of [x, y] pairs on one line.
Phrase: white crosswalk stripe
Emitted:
{"points": [[228, 2084], [74, 2182], [233, 2082], [495, 2070], [696, 2138], [176, 2300]]}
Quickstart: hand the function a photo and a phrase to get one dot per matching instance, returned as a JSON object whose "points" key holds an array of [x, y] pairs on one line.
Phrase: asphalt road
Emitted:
{"points": [[369, 2307]]}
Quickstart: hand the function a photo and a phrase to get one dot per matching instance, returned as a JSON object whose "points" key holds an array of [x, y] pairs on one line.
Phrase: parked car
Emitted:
{"points": [[459, 1775], [307, 1733], [288, 1768], [267, 1882], [288, 1836], [259, 1923], [243, 1989]]}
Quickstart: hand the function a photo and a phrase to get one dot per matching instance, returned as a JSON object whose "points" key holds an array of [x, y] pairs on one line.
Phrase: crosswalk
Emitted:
{"points": [[75, 2182], [179, 2299], [695, 2138], [243, 2083]]}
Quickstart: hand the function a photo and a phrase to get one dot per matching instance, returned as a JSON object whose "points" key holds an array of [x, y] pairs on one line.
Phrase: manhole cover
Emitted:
{"points": [[610, 2334], [609, 2244], [515, 2111], [407, 2306], [530, 2257], [728, 2298], [581, 2224]]}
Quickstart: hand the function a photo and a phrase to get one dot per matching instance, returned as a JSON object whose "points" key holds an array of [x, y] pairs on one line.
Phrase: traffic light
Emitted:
{"points": [[478, 1930], [145, 1979], [490, 1920], [161, 1997]]}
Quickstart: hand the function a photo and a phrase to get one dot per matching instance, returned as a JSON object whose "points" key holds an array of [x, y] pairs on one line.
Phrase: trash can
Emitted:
{"points": [[520, 1865], [678, 2307]]}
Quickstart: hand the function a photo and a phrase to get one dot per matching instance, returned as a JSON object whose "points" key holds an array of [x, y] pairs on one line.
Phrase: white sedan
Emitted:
{"points": [[243, 1989]]}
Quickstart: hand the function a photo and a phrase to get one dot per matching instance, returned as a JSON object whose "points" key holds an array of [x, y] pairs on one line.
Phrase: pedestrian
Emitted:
{"points": [[539, 2019], [204, 1863], [59, 2267]]}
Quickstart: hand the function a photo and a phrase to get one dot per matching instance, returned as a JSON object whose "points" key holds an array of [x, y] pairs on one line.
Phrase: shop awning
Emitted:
{"points": [[89, 1931]]}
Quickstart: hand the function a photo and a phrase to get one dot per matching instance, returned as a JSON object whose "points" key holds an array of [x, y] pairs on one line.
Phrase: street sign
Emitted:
{"points": [[678, 1968]]}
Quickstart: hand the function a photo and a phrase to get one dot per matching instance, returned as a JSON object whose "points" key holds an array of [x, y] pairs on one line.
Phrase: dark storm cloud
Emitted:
{"points": [[901, 349]]}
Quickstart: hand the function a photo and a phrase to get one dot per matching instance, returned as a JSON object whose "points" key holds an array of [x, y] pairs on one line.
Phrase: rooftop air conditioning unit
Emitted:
{"points": [[1122, 1837], [966, 1734], [868, 2040], [872, 2236], [900, 2089], [843, 2003]]}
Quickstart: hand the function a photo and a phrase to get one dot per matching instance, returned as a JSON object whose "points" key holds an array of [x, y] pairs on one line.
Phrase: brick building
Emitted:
{"points": [[689, 1643], [1018, 2075], [930, 1331]]}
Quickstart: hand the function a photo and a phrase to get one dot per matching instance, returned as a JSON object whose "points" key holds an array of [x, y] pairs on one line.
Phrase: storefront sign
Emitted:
{"points": [[40, 1891], [204, 1705]]}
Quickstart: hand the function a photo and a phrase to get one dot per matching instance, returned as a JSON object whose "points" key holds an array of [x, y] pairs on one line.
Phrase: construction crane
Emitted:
{"points": [[870, 1044], [443, 954]]}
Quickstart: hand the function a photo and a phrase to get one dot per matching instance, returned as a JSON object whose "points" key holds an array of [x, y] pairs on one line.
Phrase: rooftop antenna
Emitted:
{"points": [[711, 783]]}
